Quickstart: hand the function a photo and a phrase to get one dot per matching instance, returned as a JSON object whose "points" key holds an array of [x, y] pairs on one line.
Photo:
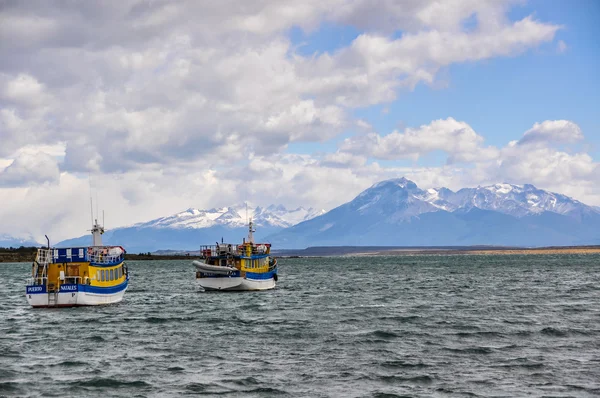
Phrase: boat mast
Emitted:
{"points": [[251, 230], [97, 229]]}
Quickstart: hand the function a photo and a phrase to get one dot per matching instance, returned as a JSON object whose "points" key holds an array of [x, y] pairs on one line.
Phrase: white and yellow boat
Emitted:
{"points": [[231, 267], [76, 276]]}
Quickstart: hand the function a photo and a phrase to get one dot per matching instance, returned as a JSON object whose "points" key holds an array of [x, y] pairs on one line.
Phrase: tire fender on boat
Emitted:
{"points": [[275, 277]]}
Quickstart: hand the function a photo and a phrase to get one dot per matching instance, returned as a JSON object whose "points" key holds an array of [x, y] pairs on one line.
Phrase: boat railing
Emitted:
{"points": [[71, 280], [43, 280], [106, 254], [43, 256], [36, 281], [220, 249], [245, 249]]}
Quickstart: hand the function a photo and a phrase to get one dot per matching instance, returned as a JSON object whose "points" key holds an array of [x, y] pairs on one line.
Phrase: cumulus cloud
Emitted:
{"points": [[136, 82], [343, 159], [552, 131], [535, 159], [455, 138], [30, 169]]}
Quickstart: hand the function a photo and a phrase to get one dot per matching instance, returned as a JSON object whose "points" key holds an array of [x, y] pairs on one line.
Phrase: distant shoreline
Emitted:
{"points": [[28, 254], [532, 251], [420, 251]]}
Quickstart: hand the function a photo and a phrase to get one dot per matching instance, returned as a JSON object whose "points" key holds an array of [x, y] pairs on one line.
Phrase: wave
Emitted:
{"points": [[471, 350], [9, 387], [70, 364], [480, 334], [526, 365], [403, 364], [246, 381], [157, 320], [420, 379], [550, 331], [110, 383]]}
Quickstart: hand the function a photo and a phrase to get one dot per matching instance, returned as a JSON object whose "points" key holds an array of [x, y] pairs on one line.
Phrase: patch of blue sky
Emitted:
{"points": [[327, 38], [503, 97], [500, 98]]}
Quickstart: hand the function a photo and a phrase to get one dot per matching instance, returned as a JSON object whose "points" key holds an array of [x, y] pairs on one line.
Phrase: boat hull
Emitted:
{"points": [[74, 295], [236, 284]]}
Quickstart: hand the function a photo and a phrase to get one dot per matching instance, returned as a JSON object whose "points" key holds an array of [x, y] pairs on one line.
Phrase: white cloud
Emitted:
{"points": [[30, 169], [374, 67], [552, 131], [175, 76], [456, 138]]}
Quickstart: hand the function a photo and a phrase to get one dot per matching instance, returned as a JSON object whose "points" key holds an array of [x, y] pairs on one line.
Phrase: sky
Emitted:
{"points": [[153, 107]]}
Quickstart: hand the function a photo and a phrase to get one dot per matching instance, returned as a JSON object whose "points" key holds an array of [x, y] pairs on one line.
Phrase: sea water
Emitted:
{"points": [[501, 325]]}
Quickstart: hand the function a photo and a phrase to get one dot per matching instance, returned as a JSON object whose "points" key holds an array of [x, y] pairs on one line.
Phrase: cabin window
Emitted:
{"points": [[98, 275], [112, 275], [102, 275], [80, 252]]}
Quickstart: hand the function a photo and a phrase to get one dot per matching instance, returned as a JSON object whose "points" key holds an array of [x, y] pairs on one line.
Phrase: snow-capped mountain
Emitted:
{"points": [[234, 217], [397, 212], [402, 198], [514, 200], [14, 241], [189, 229], [390, 213]]}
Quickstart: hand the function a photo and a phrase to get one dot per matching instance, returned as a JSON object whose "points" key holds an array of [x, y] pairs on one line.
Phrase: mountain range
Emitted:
{"points": [[191, 228], [394, 212], [398, 213], [12, 241]]}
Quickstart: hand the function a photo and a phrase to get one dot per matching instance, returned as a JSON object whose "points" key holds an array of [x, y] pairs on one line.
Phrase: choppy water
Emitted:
{"points": [[368, 326]]}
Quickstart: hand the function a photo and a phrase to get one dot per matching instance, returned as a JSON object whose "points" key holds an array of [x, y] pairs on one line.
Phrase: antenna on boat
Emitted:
{"points": [[91, 202], [91, 211], [97, 230]]}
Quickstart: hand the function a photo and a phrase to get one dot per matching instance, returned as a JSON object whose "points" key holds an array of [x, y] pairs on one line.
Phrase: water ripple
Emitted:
{"points": [[354, 326]]}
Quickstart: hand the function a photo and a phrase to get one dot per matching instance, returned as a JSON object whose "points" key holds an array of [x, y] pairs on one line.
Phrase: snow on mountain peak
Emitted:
{"points": [[402, 196], [502, 188], [400, 182], [233, 217]]}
